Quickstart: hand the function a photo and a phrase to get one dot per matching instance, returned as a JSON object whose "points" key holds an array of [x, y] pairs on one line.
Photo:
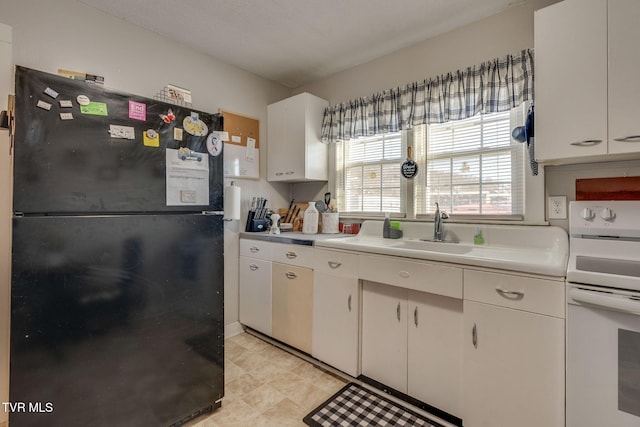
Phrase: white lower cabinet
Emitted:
{"points": [[336, 310], [255, 284], [513, 359], [435, 351], [384, 334], [255, 294], [412, 342]]}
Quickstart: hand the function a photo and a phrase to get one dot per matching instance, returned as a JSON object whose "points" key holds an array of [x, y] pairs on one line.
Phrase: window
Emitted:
{"points": [[470, 167], [368, 177], [473, 167]]}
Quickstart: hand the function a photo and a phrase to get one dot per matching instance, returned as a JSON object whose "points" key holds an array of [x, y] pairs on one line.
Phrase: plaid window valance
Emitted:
{"points": [[493, 86]]}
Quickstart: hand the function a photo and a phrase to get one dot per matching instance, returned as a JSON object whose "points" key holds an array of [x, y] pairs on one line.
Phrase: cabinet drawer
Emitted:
{"points": [[334, 262], [519, 292], [419, 276], [256, 249], [293, 254]]}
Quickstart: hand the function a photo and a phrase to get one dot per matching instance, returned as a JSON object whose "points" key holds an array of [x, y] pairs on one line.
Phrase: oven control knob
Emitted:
{"points": [[587, 214], [607, 214]]}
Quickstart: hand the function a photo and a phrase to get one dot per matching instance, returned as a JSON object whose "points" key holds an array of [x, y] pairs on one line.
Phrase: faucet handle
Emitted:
{"points": [[444, 215]]}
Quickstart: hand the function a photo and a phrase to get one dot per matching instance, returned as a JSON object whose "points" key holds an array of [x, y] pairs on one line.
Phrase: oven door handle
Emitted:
{"points": [[618, 303]]}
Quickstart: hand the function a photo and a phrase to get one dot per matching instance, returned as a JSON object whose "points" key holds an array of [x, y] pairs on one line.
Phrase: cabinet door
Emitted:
{"points": [[571, 79], [435, 351], [285, 139], [336, 308], [292, 306], [384, 334], [255, 294], [624, 87], [513, 368]]}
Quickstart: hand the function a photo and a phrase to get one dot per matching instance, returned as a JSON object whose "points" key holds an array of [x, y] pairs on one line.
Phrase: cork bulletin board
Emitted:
{"points": [[242, 150]]}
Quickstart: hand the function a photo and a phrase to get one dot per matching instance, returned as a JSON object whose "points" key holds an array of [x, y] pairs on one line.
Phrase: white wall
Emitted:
{"points": [[498, 35], [5, 218], [65, 34], [508, 32]]}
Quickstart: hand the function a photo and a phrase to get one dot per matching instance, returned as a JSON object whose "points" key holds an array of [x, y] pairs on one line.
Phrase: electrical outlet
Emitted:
{"points": [[557, 207]]}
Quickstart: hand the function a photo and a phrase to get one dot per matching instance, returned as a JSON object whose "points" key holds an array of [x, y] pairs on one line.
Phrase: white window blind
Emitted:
{"points": [[368, 179], [471, 167]]}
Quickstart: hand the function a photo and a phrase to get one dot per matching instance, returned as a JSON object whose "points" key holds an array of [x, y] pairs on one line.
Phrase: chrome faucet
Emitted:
{"points": [[438, 227]]}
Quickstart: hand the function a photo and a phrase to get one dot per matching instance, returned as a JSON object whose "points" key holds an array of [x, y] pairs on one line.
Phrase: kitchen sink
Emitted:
{"points": [[430, 245]]}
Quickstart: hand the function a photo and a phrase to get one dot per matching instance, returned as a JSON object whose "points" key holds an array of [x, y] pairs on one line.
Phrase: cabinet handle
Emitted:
{"points": [[349, 303], [334, 264], [587, 143], [254, 249], [291, 255], [514, 295], [415, 316], [404, 274], [279, 174], [632, 138], [398, 312], [474, 336], [291, 275], [290, 173], [253, 267]]}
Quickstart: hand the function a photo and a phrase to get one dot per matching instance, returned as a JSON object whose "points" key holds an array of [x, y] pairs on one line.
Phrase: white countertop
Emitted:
{"points": [[530, 249]]}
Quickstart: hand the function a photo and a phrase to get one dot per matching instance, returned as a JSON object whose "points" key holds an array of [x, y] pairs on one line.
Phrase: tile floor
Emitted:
{"points": [[267, 386]]}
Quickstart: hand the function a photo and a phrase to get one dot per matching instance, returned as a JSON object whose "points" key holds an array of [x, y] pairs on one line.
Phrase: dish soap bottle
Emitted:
{"points": [[478, 239], [310, 221]]}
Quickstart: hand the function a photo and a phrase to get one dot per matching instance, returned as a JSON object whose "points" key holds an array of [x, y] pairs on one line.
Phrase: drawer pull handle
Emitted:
{"points": [[254, 249], [279, 174], [253, 267], [291, 255], [404, 274], [349, 303], [587, 143], [291, 275], [334, 264], [514, 295], [474, 336], [398, 312], [632, 138], [290, 172], [415, 316]]}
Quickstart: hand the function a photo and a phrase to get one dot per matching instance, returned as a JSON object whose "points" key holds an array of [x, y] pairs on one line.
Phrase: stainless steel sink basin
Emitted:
{"points": [[431, 246]]}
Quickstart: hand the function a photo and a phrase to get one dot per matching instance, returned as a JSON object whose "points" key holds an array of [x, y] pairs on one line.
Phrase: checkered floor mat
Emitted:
{"points": [[357, 406]]}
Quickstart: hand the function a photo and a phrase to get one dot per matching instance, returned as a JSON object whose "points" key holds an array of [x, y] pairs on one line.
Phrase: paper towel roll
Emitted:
{"points": [[231, 202]]}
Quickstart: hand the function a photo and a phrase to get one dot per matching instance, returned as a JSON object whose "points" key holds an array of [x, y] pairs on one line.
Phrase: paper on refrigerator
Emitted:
{"points": [[187, 178]]}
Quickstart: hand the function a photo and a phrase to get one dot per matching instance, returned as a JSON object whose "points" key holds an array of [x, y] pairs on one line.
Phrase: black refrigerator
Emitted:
{"points": [[117, 258]]}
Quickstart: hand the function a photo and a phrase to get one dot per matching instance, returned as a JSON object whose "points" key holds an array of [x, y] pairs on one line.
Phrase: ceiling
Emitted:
{"points": [[295, 42]]}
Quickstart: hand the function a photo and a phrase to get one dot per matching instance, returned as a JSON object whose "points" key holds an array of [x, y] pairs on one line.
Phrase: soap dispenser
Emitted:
{"points": [[386, 228]]}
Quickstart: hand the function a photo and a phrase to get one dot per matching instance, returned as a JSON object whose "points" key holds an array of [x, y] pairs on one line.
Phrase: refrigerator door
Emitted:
{"points": [[81, 165], [116, 320]]}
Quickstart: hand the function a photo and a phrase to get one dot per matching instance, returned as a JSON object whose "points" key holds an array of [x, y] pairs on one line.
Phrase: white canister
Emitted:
{"points": [[310, 220], [330, 222]]}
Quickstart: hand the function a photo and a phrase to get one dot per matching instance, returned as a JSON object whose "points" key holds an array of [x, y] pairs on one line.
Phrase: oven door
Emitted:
{"points": [[603, 357]]}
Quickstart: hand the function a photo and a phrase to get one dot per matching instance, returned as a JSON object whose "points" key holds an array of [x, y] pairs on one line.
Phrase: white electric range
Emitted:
{"points": [[603, 316]]}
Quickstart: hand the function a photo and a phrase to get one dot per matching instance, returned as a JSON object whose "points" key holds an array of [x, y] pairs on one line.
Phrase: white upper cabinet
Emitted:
{"points": [[295, 152], [571, 79], [586, 89], [624, 85]]}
